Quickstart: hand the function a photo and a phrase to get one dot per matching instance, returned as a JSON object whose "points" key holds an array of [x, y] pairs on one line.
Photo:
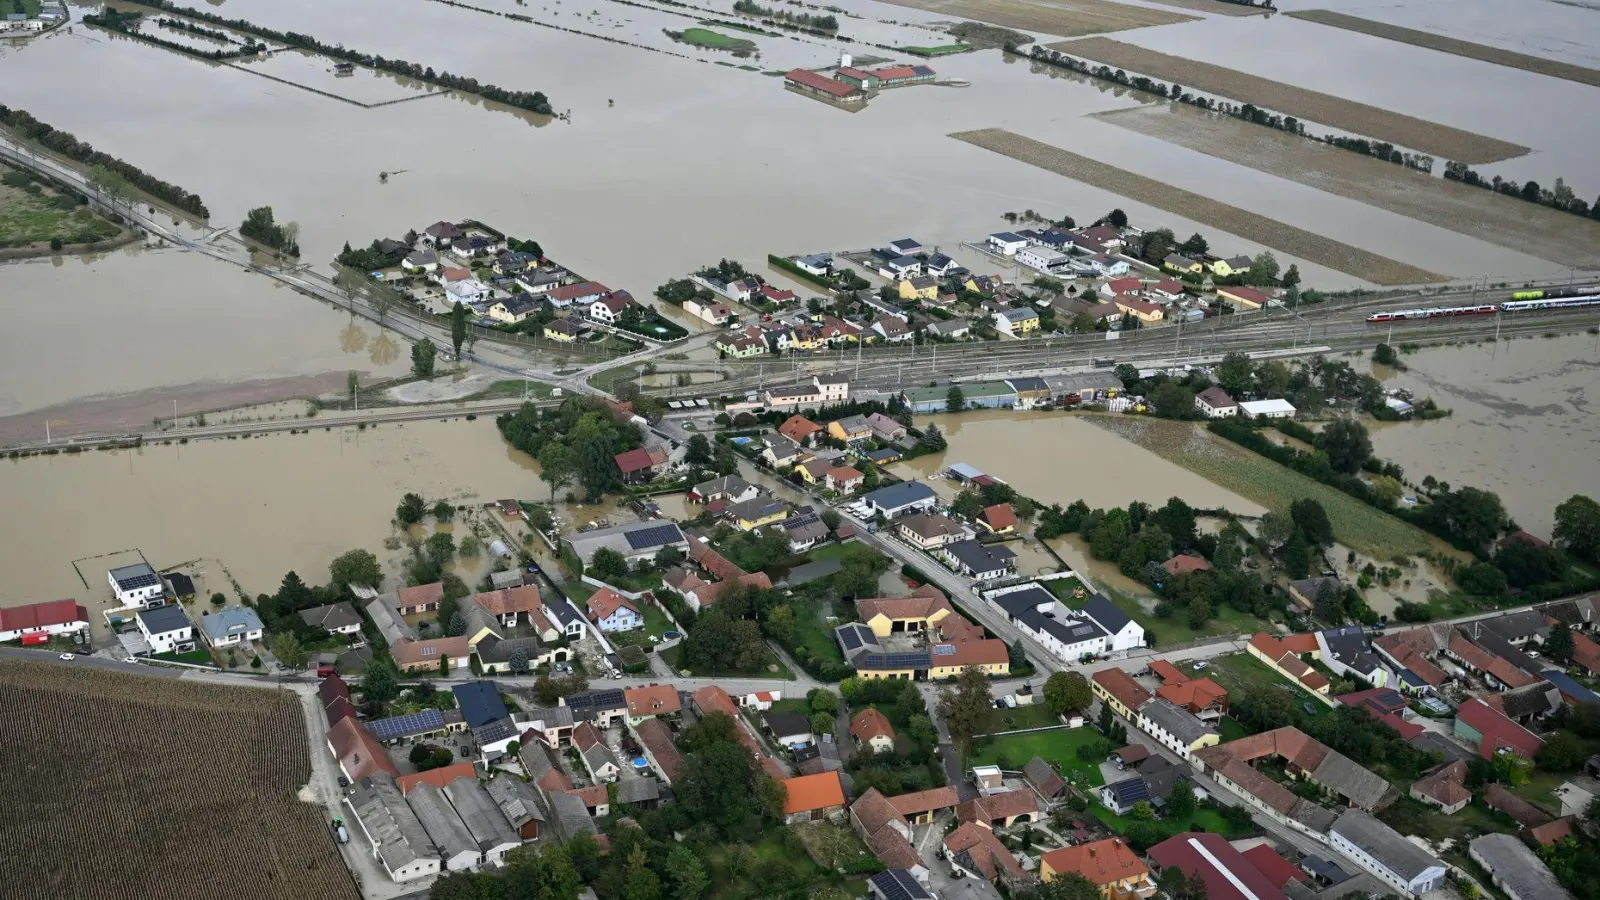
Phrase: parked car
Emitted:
{"points": [[69, 657], [344, 782]]}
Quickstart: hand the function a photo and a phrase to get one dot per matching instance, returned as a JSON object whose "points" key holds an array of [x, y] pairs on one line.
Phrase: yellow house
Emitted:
{"points": [[1118, 690], [1237, 265], [1242, 297], [882, 674], [1143, 310], [888, 615], [1178, 263], [805, 339], [920, 287], [850, 429], [988, 655], [1110, 865], [563, 330], [814, 471], [758, 511]]}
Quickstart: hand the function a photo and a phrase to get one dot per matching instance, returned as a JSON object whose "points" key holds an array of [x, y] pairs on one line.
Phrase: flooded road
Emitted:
{"points": [[1055, 457], [1525, 425], [262, 507]]}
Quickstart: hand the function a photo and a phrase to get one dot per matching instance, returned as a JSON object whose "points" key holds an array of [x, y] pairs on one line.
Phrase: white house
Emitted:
{"points": [[1110, 267], [900, 267], [1007, 243], [1272, 409], [467, 291], [1066, 633], [137, 585], [420, 261], [483, 818], [815, 264], [713, 312], [835, 388], [392, 830], [166, 629], [1386, 853], [1175, 728], [1215, 403], [443, 827], [52, 617], [1042, 258], [613, 612], [231, 626], [608, 309], [901, 499], [1123, 633]]}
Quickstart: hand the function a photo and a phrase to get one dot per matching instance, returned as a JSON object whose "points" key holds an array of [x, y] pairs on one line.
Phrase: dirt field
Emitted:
{"points": [[1292, 241], [1314, 107], [1215, 7], [1503, 221], [1454, 46], [123, 787], [1067, 18]]}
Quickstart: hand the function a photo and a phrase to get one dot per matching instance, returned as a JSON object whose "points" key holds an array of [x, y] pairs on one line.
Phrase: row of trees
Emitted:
{"points": [[128, 23], [64, 143], [1559, 197], [533, 101], [260, 226], [827, 22]]}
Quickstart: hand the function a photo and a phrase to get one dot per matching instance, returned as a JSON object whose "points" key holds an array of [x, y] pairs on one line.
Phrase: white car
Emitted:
{"points": [[1200, 664], [69, 657]]}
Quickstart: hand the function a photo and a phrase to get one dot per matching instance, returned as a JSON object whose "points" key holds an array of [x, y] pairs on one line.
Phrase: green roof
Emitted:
{"points": [[969, 390]]}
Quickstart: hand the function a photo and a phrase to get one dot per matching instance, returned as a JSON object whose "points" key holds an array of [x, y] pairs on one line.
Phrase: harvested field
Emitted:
{"points": [[1216, 7], [1295, 242], [1067, 18], [125, 787], [1454, 46], [1312, 106], [1509, 222], [1355, 524]]}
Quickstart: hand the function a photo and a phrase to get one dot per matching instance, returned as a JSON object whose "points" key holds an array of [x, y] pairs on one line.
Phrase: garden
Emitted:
{"points": [[1061, 746]]}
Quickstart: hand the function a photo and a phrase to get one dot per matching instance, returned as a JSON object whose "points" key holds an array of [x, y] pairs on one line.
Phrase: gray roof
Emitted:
{"points": [[517, 801], [383, 813], [899, 495], [634, 789], [220, 624], [163, 619], [727, 484], [1159, 776], [478, 619], [1384, 844], [898, 884], [1105, 614], [482, 815], [386, 616], [136, 572], [786, 724], [440, 821], [549, 716], [1023, 606], [1512, 864], [632, 539], [1308, 587], [535, 759], [598, 755], [1349, 646], [572, 817], [1360, 885], [1178, 722], [854, 637], [508, 579], [980, 558], [1359, 785], [334, 615], [493, 649]]}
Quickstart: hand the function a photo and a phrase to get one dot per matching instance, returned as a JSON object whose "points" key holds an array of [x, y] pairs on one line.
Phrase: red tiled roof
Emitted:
{"points": [[987, 853], [1194, 695], [1447, 786], [436, 777], [593, 796], [889, 73], [1000, 516], [635, 460], [912, 607], [1269, 862], [925, 801], [1497, 730], [1186, 562], [1585, 652], [657, 738], [821, 83], [42, 615], [870, 723], [1167, 672], [1102, 862], [1227, 873], [509, 601], [1547, 834], [1168, 286], [1144, 307], [1120, 684], [655, 700], [579, 291], [605, 601], [808, 793], [1123, 285], [421, 595], [998, 807], [358, 752]]}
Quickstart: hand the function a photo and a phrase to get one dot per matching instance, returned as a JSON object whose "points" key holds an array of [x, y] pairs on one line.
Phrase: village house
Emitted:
{"points": [[581, 294], [566, 331], [808, 798], [850, 429], [1283, 655], [137, 585], [640, 464], [872, 731], [613, 612], [998, 519], [1182, 264], [1007, 243], [1047, 260], [1242, 298], [166, 629], [844, 479], [1016, 321], [1109, 865], [1116, 287], [431, 655], [1233, 265], [231, 626], [1215, 403], [51, 618], [930, 531], [980, 562], [799, 429], [757, 512], [1143, 310]]}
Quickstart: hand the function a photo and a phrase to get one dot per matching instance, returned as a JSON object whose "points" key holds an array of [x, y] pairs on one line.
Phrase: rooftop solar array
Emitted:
{"points": [[135, 576], [944, 649], [898, 884], [406, 725], [654, 536], [897, 661]]}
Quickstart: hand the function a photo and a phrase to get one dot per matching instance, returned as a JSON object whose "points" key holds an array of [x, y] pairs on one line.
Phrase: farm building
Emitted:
{"points": [[823, 86]]}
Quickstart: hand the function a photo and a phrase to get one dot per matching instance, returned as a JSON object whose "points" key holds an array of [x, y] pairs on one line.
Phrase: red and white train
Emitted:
{"points": [[1435, 312]]}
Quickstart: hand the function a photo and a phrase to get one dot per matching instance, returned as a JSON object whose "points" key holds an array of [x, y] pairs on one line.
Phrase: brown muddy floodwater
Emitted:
{"points": [[261, 507], [137, 329], [1525, 425], [1054, 457]]}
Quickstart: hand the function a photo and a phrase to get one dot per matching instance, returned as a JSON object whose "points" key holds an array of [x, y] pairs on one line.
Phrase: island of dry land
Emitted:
{"points": [[1311, 106], [1066, 18], [1509, 222], [1455, 46], [1217, 7], [1296, 242], [129, 786]]}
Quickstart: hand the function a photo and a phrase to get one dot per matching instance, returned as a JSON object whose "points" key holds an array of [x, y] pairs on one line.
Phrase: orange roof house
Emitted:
{"points": [[437, 777], [1167, 672], [1196, 696], [798, 429], [1119, 689], [871, 728], [655, 700], [1283, 654], [976, 848], [812, 796], [1109, 865], [1186, 562], [999, 518]]}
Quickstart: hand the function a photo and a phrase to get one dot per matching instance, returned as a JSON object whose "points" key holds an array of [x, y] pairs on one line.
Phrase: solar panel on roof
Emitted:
{"points": [[944, 649], [898, 884], [128, 583], [408, 724], [653, 536]]}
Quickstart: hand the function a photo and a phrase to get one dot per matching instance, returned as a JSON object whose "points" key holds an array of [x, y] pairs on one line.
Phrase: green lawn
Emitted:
{"points": [[1201, 819], [655, 623], [1224, 621], [1035, 716], [827, 551], [29, 218], [813, 633], [776, 862], [1230, 728], [672, 656], [1058, 746], [198, 657], [941, 50], [1242, 674], [704, 37]]}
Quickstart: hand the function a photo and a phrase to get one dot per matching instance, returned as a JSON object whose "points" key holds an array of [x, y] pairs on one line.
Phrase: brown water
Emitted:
{"points": [[262, 507], [1056, 458], [1524, 424]]}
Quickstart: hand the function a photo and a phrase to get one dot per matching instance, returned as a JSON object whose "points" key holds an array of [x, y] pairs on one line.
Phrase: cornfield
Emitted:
{"points": [[127, 787]]}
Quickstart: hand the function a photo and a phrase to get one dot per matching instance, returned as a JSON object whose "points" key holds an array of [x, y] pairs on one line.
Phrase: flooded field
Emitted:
{"points": [[1525, 425], [1494, 218], [1059, 458], [1067, 18], [103, 342], [261, 507], [363, 86]]}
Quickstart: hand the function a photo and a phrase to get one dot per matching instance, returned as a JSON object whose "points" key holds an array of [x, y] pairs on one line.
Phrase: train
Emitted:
{"points": [[1557, 299], [1556, 293]]}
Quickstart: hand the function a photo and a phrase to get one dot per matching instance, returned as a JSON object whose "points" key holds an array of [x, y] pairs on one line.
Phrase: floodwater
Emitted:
{"points": [[1523, 426], [1054, 457], [138, 328], [261, 507]]}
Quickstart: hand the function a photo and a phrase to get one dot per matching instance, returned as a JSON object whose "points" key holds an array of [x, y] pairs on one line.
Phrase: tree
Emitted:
{"points": [[1482, 580], [1128, 374], [1291, 278], [698, 449], [458, 327], [1346, 445], [1386, 491], [1559, 643], [686, 873], [439, 548], [967, 504], [1297, 555], [1172, 400], [1237, 817], [411, 510], [381, 682], [518, 661], [1328, 604], [1236, 373], [823, 700], [558, 466], [1065, 886], [608, 565], [1471, 516], [955, 400], [1195, 245], [355, 567], [640, 883], [1578, 527], [821, 723], [443, 511], [1117, 219], [1527, 564], [1181, 802], [1264, 268], [968, 709], [287, 648], [383, 299], [1067, 691], [780, 624], [423, 355], [1312, 521], [1510, 769], [1384, 355]]}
